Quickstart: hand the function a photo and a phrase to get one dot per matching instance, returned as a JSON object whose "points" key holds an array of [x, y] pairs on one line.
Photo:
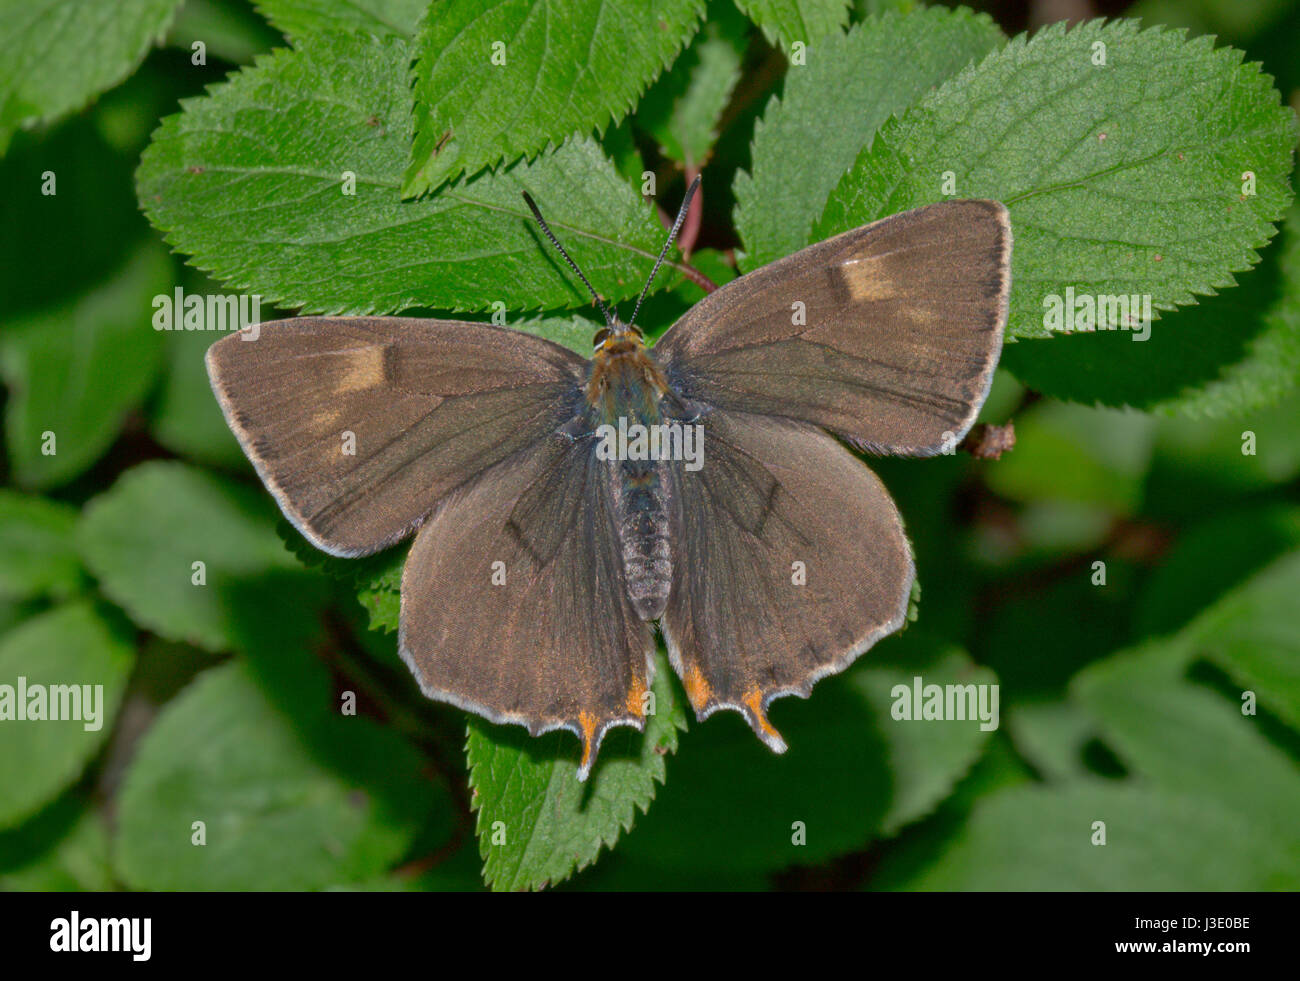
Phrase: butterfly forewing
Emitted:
{"points": [[887, 335], [792, 561], [359, 425]]}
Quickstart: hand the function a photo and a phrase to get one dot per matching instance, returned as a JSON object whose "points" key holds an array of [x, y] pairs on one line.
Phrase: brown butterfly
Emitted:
{"points": [[542, 558]]}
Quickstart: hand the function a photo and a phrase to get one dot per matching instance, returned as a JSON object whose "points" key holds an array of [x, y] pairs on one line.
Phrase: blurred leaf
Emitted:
{"points": [[852, 773], [518, 76], [1138, 697], [1200, 465], [926, 758], [1065, 452], [786, 21], [62, 849], [56, 245], [142, 537], [1040, 839], [682, 110], [341, 104], [230, 32], [299, 18], [185, 416], [57, 56], [1210, 558], [69, 647], [276, 815], [77, 369], [37, 553], [1182, 123], [527, 790], [1229, 354], [831, 108], [1051, 734], [1251, 634]]}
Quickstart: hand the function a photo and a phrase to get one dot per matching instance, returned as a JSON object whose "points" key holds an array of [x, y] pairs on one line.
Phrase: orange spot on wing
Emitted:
{"points": [[754, 702], [697, 689], [636, 697], [588, 723]]}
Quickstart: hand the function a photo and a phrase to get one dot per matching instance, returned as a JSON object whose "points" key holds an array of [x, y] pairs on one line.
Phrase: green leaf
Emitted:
{"points": [[537, 824], [682, 110], [70, 647], [37, 554], [142, 537], [1069, 453], [276, 814], [1251, 634], [256, 197], [852, 774], [299, 18], [77, 369], [1041, 839], [510, 78], [1192, 363], [58, 55], [1210, 558], [1181, 123], [831, 108], [232, 33], [785, 22], [54, 246], [62, 849], [185, 417], [1220, 756]]}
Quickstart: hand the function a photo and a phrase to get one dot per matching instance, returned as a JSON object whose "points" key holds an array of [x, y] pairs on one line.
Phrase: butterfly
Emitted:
{"points": [[543, 557]]}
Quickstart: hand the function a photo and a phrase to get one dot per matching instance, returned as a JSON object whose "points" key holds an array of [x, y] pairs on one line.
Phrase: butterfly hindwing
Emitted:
{"points": [[790, 560], [886, 335], [359, 425], [513, 603]]}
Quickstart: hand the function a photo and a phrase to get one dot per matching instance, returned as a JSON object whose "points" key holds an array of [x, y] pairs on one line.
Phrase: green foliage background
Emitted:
{"points": [[1121, 702]]}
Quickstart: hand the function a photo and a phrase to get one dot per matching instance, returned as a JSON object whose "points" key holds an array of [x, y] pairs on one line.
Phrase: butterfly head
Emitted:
{"points": [[618, 338]]}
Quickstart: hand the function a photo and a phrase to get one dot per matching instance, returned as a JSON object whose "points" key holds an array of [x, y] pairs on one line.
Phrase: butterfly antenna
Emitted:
{"points": [[609, 317], [677, 226]]}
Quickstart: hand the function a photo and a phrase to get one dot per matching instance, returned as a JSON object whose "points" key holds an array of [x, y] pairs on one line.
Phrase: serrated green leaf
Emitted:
{"points": [[71, 646], [142, 537], [537, 824], [277, 814], [299, 18], [76, 370], [830, 109], [37, 554], [1229, 354], [785, 22], [1104, 168], [58, 55], [682, 110], [256, 197], [510, 78]]}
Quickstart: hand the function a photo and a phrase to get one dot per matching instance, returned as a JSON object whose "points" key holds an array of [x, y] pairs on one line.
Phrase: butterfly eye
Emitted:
{"points": [[600, 337], [637, 332]]}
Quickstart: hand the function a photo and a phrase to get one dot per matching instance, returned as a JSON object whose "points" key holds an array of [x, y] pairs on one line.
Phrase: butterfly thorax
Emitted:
{"points": [[625, 393]]}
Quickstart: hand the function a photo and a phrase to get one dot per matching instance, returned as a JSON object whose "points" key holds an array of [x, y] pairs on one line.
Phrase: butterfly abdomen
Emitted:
{"points": [[641, 516], [624, 391]]}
